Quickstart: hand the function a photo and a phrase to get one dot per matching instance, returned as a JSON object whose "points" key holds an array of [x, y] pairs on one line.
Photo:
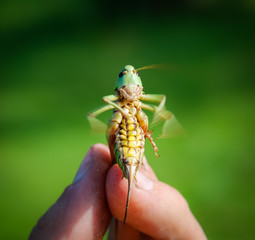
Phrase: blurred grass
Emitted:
{"points": [[51, 79]]}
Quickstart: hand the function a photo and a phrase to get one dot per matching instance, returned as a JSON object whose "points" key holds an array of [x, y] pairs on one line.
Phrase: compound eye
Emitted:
{"points": [[122, 73], [137, 73]]}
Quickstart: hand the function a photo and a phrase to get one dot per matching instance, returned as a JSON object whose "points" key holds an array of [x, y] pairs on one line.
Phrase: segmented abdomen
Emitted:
{"points": [[129, 142]]}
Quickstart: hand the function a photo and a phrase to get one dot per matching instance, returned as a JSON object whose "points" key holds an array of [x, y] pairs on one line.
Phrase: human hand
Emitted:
{"points": [[85, 209]]}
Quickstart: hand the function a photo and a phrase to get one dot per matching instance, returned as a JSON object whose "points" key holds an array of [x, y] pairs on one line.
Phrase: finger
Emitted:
{"points": [[81, 212], [155, 208]]}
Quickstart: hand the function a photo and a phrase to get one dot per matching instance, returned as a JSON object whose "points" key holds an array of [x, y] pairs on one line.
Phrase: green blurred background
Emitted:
{"points": [[58, 58]]}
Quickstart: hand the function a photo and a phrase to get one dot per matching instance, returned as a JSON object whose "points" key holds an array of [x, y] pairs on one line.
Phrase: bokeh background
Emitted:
{"points": [[59, 58]]}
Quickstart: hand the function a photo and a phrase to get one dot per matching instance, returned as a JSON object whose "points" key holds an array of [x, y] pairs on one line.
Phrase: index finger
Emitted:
{"points": [[82, 209]]}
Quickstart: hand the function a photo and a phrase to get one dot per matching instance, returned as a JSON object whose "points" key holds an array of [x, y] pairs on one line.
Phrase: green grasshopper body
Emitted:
{"points": [[128, 127]]}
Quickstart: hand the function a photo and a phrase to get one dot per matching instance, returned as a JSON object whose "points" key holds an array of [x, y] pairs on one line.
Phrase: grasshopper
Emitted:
{"points": [[128, 126]]}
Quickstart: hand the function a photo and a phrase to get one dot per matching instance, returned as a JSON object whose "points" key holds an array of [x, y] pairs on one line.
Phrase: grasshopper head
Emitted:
{"points": [[129, 83]]}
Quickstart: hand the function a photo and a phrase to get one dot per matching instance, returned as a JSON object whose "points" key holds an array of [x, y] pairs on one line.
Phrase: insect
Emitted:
{"points": [[128, 126]]}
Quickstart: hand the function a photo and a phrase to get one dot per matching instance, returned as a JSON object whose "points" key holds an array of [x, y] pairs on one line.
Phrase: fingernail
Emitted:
{"points": [[143, 181]]}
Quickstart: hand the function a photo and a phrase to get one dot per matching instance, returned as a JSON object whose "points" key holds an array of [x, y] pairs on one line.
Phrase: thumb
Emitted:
{"points": [[155, 208]]}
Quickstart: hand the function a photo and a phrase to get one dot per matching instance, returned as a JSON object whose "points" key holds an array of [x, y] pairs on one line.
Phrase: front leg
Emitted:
{"points": [[110, 100], [157, 98]]}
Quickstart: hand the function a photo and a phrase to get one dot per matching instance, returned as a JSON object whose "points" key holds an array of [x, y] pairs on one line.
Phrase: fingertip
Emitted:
{"points": [[113, 183], [100, 151], [97, 160], [114, 175]]}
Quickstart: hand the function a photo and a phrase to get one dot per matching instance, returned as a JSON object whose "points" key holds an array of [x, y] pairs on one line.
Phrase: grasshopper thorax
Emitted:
{"points": [[129, 84]]}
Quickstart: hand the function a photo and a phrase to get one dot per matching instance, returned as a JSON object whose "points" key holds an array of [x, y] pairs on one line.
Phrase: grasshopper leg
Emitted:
{"points": [[143, 121], [100, 110], [160, 113], [171, 126], [148, 135], [157, 98], [110, 100], [95, 124]]}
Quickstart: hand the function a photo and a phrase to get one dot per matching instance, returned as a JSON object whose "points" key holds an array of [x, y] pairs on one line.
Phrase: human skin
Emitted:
{"points": [[98, 193]]}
